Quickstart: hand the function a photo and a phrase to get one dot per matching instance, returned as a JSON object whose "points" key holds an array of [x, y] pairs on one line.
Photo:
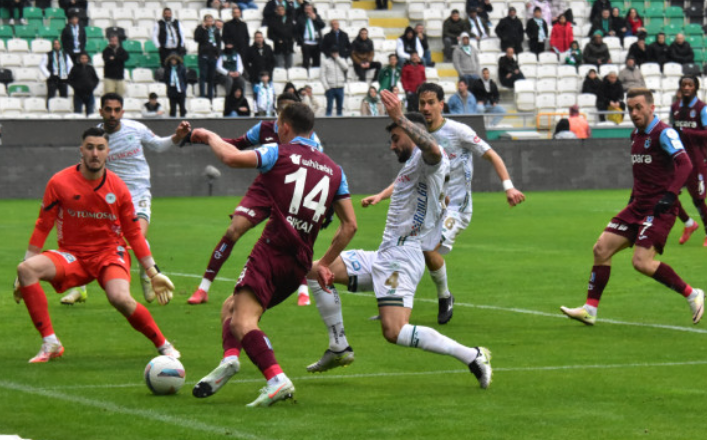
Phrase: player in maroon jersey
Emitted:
{"points": [[264, 132], [689, 118], [301, 184], [660, 169]]}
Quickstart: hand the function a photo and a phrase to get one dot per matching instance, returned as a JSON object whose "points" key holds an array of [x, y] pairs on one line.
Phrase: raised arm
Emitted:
{"points": [[226, 153], [431, 153], [376, 199], [347, 229], [513, 196]]}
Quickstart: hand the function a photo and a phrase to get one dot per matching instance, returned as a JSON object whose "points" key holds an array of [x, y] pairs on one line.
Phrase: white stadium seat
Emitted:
{"points": [[60, 105]]}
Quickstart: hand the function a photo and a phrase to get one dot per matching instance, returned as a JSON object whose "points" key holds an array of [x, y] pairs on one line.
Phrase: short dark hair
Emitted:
{"points": [[152, 95], [693, 78], [287, 96], [166, 9], [94, 132], [454, 11], [111, 97], [537, 8], [414, 117], [299, 116], [431, 87], [640, 91]]}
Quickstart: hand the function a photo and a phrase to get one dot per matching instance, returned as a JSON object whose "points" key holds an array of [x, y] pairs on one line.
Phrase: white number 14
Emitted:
{"points": [[320, 191]]}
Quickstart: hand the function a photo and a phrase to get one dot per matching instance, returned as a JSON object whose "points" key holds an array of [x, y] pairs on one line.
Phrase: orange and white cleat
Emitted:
{"points": [[705, 243], [303, 299], [49, 351], [200, 296], [687, 232]]}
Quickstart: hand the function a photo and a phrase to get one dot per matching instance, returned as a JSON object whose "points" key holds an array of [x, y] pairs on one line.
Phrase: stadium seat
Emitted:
{"points": [[51, 13], [60, 105], [524, 90], [546, 85], [17, 45], [547, 70], [132, 46], [612, 42], [653, 83], [279, 75], [297, 73], [525, 58], [27, 74], [10, 60], [6, 32], [650, 69], [18, 90], [97, 61], [416, 11], [604, 69], [675, 15], [150, 48], [11, 106], [142, 75], [566, 100], [35, 105], [41, 46], [199, 106], [26, 32], [48, 33], [159, 88], [587, 100], [102, 12], [132, 105], [136, 90], [94, 32], [568, 84], [138, 33], [585, 68], [530, 70], [548, 58], [672, 69], [32, 59]]}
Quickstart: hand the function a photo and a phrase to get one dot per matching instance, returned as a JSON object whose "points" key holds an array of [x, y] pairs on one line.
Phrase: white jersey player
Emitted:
{"points": [[127, 140], [395, 269], [462, 145]]}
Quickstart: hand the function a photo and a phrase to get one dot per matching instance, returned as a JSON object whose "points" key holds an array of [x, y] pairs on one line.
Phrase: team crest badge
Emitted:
{"points": [[647, 145], [692, 113], [110, 198]]}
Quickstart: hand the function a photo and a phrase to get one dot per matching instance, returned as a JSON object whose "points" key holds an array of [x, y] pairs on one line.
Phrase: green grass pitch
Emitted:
{"points": [[639, 373]]}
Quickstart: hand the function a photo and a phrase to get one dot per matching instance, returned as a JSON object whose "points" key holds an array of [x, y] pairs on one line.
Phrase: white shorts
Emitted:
{"points": [[453, 224], [392, 273], [143, 205]]}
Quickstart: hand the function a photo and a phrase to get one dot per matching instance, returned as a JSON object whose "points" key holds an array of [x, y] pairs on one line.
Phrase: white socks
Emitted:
{"points": [[329, 306], [439, 277], [590, 309], [205, 284], [430, 339], [279, 378], [51, 339], [689, 223], [303, 290]]}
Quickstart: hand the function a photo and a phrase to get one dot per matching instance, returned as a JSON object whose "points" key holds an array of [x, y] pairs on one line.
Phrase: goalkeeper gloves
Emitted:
{"points": [[16, 291], [664, 204], [162, 285]]}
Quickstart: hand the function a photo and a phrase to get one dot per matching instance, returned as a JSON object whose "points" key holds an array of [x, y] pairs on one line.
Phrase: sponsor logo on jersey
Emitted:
{"points": [[617, 226], [647, 145], [243, 209], [692, 113], [92, 215], [685, 124], [124, 154], [110, 198], [641, 158], [672, 134], [67, 256], [418, 219], [296, 158], [316, 165], [269, 139]]}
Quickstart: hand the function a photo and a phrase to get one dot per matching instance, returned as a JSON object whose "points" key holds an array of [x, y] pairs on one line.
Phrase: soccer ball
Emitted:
{"points": [[164, 375]]}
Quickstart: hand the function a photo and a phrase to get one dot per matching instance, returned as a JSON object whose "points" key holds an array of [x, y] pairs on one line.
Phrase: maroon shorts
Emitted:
{"points": [[644, 231], [255, 205], [271, 274], [696, 180]]}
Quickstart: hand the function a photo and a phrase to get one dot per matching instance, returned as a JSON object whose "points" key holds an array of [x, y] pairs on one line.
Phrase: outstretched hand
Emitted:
{"points": [[183, 129], [392, 104], [371, 200], [200, 136], [514, 197]]}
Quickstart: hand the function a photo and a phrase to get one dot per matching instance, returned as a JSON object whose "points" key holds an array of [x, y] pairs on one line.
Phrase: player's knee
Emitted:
{"points": [[390, 333], [124, 303], [600, 251], [238, 329], [26, 273], [641, 264]]}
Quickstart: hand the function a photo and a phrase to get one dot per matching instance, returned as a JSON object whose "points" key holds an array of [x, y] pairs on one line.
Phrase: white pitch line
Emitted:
{"points": [[503, 309], [150, 415], [417, 373]]}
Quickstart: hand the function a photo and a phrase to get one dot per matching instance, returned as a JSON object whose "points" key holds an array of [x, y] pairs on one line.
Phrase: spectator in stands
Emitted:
{"points": [[308, 98], [235, 33], [390, 74], [596, 51], [639, 50], [336, 38], [42, 4], [83, 80], [619, 26], [209, 40], [463, 102], [545, 9], [422, 36], [631, 76], [508, 69], [562, 130], [597, 8], [264, 96], [114, 58], [73, 38], [55, 67], [658, 51], [510, 31], [592, 83], [270, 10], [362, 54], [371, 105], [229, 70], [466, 60], [680, 51], [333, 77], [236, 105], [175, 77], [152, 108], [578, 124], [68, 5], [611, 95], [573, 57], [408, 43], [486, 93], [451, 30], [245, 4], [561, 36], [481, 8], [602, 24], [413, 74], [281, 30], [16, 10], [290, 88], [634, 22], [382, 4], [168, 36], [478, 29], [537, 32], [559, 8], [309, 36], [259, 58], [218, 4]]}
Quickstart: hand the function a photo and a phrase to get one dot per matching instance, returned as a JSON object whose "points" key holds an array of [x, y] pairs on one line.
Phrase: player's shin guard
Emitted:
{"points": [[667, 276], [231, 345], [218, 257], [431, 340], [329, 306], [598, 280], [259, 349], [439, 277], [682, 214], [38, 309], [142, 321]]}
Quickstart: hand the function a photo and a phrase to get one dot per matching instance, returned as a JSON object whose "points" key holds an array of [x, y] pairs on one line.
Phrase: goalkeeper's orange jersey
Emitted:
{"points": [[90, 215]]}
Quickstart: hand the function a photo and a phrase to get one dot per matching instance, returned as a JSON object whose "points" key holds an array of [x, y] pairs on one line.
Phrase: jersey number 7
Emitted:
{"points": [[320, 192]]}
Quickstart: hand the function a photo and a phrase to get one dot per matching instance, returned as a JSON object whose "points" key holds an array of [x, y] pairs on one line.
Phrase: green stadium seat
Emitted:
{"points": [[191, 61], [700, 56], [18, 90], [54, 13], [693, 29], [654, 27], [6, 32], [48, 33], [94, 32], [57, 25], [150, 48], [655, 11], [696, 41], [95, 46], [152, 61], [31, 12], [673, 29], [650, 39], [639, 5], [4, 13], [132, 46], [675, 15], [26, 32]]}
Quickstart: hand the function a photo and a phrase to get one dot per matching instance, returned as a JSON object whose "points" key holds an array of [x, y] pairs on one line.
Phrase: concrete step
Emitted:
{"points": [[389, 22]]}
